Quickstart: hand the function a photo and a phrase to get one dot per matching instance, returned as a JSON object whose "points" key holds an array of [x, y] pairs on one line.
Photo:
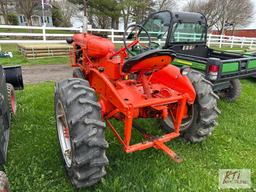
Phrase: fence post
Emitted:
{"points": [[221, 36], [209, 40], [44, 34], [251, 44], [232, 42], [112, 35], [242, 45]]}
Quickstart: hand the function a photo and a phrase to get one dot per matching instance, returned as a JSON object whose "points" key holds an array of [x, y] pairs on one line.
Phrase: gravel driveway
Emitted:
{"points": [[41, 73]]}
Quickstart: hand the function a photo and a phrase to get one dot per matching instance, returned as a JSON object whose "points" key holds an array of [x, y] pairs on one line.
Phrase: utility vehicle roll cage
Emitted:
{"points": [[172, 20]]}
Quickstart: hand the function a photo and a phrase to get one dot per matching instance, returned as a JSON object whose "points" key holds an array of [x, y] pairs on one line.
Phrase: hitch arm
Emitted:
{"points": [[168, 151]]}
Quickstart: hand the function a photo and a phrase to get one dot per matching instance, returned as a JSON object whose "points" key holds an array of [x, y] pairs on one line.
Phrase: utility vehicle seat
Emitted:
{"points": [[152, 59]]}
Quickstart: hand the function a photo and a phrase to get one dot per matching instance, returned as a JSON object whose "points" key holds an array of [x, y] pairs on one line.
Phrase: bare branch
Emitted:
{"points": [[165, 5]]}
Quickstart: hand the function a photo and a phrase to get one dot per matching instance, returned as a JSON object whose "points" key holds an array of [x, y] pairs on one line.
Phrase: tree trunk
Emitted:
{"points": [[117, 23], [222, 32], [113, 23], [29, 23], [4, 11], [233, 30], [126, 17], [6, 19]]}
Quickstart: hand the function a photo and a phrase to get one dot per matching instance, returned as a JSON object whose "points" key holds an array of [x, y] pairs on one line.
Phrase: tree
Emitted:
{"points": [[4, 10], [12, 19], [165, 5], [142, 9], [235, 13], [209, 8], [223, 13], [63, 11], [57, 15], [132, 10], [104, 13], [27, 8], [126, 10]]}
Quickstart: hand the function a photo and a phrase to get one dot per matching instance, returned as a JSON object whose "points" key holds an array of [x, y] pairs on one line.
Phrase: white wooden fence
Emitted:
{"points": [[58, 35]]}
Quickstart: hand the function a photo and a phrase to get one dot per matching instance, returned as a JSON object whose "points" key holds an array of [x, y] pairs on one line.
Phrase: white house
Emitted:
{"points": [[37, 17]]}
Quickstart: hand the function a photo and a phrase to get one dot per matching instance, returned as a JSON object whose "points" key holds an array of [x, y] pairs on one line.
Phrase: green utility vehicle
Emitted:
{"points": [[186, 34]]}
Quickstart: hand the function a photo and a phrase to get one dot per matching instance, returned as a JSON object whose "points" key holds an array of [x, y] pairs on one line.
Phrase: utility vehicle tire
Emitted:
{"points": [[202, 115], [80, 132], [233, 92], [77, 73], [4, 184], [11, 99]]}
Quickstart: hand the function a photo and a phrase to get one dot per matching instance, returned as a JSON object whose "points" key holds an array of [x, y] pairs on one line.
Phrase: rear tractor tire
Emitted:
{"points": [[11, 99], [80, 132], [232, 93], [202, 115]]}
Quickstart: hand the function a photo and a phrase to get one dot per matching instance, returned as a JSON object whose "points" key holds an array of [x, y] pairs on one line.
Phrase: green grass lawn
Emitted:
{"points": [[19, 59], [34, 162]]}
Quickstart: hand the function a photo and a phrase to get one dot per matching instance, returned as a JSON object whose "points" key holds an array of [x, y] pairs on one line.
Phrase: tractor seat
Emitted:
{"points": [[148, 60]]}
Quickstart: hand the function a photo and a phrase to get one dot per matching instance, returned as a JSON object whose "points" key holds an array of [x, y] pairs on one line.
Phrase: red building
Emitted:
{"points": [[239, 33]]}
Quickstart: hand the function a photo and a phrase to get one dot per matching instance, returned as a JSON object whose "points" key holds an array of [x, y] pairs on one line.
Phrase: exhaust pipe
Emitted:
{"points": [[13, 75]]}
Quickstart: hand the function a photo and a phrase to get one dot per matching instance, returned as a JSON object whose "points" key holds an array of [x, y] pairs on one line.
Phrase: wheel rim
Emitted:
{"points": [[186, 123], [63, 134]]}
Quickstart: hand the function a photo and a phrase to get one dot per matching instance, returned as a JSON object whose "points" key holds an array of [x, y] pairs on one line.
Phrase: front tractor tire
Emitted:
{"points": [[202, 115], [80, 132]]}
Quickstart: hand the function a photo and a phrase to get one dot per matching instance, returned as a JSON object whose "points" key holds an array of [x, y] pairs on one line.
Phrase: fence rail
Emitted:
{"points": [[35, 34]]}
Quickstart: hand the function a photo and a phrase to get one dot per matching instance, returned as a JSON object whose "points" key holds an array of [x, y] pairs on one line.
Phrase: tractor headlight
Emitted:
{"points": [[184, 70]]}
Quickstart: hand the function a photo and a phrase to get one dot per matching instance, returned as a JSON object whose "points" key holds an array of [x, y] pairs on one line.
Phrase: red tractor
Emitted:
{"points": [[115, 84]]}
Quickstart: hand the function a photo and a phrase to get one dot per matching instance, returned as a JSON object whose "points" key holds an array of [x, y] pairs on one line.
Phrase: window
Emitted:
{"points": [[188, 32], [48, 20], [42, 20], [21, 19], [24, 19], [157, 26]]}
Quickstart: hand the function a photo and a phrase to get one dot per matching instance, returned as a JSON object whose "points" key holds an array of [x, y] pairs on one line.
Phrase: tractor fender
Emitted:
{"points": [[170, 76], [108, 96]]}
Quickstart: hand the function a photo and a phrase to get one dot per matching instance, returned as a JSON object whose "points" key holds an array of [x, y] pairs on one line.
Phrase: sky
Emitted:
{"points": [[253, 25]]}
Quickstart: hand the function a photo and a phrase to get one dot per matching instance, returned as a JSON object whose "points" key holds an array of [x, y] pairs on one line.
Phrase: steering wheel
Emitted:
{"points": [[136, 37], [154, 45]]}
